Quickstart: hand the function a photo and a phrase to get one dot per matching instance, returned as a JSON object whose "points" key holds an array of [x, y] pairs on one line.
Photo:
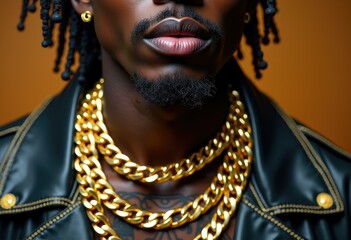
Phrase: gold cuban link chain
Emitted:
{"points": [[95, 188], [146, 174]]}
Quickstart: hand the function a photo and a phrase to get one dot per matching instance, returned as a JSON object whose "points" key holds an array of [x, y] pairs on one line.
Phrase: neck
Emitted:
{"points": [[153, 135]]}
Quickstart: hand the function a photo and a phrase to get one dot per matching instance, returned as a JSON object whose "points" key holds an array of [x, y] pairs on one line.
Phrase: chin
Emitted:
{"points": [[175, 89]]}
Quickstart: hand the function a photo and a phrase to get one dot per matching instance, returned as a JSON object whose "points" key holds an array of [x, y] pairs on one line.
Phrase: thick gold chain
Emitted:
{"points": [[131, 170], [95, 190]]}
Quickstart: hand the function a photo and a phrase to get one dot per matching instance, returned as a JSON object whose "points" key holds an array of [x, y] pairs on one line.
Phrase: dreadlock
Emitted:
{"points": [[82, 35], [253, 37]]}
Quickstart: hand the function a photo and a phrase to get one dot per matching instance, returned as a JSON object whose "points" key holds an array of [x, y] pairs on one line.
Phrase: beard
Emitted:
{"points": [[176, 89]]}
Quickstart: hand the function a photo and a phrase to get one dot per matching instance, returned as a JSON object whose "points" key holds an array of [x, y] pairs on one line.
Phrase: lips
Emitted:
{"points": [[178, 37]]}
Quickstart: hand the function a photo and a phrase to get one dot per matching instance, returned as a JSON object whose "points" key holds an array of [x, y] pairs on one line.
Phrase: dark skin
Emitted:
{"points": [[153, 135]]}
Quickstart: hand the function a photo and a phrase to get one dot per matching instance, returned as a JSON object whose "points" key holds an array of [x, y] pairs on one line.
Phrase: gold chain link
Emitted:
{"points": [[225, 189]]}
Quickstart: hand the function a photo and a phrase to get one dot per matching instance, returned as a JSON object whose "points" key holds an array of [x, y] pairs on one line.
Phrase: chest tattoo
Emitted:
{"points": [[161, 203]]}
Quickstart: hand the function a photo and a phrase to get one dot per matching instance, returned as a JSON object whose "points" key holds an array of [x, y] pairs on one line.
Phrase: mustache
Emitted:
{"points": [[140, 27]]}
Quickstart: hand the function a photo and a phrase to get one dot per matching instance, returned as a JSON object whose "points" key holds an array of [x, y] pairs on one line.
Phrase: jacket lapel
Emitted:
{"points": [[287, 174]]}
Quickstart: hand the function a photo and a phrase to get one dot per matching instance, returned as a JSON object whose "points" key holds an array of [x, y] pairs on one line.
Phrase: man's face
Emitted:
{"points": [[156, 39]]}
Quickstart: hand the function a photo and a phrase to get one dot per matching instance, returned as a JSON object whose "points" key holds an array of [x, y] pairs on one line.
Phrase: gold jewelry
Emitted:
{"points": [[146, 219], [131, 170], [95, 189], [86, 16], [189, 212], [247, 18]]}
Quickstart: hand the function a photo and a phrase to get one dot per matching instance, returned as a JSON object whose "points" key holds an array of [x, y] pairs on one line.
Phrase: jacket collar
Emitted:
{"points": [[287, 174], [37, 167]]}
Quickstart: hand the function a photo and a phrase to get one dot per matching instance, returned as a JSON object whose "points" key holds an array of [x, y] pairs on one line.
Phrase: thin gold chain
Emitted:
{"points": [[225, 190]]}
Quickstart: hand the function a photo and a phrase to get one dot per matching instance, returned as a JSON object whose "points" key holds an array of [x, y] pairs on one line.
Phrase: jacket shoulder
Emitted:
{"points": [[7, 134]]}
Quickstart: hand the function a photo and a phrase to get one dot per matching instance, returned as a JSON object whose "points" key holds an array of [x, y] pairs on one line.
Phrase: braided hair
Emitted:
{"points": [[82, 37]]}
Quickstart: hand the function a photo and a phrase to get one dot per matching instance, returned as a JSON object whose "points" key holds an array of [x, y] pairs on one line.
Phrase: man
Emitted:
{"points": [[159, 135]]}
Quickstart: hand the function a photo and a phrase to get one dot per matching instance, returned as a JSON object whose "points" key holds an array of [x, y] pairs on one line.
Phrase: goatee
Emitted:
{"points": [[176, 89]]}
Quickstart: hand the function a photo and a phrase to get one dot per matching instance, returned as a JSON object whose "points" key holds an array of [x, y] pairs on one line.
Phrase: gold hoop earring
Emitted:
{"points": [[86, 16], [247, 18]]}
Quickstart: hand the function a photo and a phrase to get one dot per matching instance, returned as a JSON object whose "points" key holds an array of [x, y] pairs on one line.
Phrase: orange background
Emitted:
{"points": [[308, 74]]}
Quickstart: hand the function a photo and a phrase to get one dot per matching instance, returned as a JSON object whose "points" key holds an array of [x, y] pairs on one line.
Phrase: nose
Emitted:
{"points": [[186, 2]]}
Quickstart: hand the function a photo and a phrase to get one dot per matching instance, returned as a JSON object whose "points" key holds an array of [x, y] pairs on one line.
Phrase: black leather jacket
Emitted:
{"points": [[292, 166]]}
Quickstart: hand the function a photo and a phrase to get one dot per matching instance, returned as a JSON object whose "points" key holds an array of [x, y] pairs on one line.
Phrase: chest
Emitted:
{"points": [[188, 231], [170, 211]]}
